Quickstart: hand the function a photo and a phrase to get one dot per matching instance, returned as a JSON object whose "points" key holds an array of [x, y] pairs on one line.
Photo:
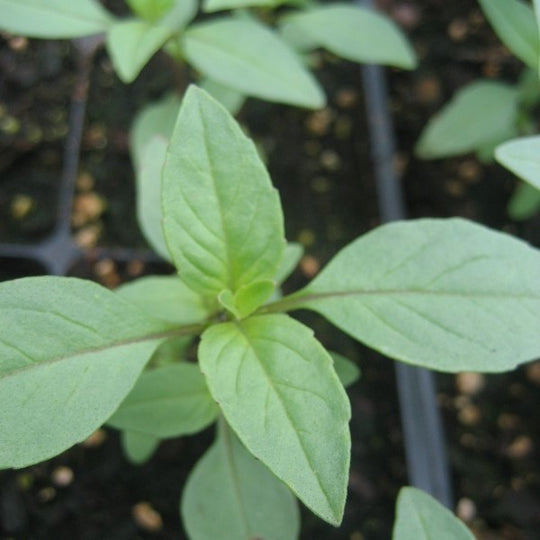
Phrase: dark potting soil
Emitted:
{"points": [[320, 163]]}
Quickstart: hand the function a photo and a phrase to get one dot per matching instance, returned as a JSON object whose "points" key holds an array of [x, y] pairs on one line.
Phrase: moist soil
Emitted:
{"points": [[320, 163]]}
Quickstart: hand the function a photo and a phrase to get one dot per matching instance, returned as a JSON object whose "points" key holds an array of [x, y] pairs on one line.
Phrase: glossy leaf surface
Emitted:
{"points": [[223, 220], [515, 24], [232, 496], [54, 19], [252, 59], [354, 33], [420, 517], [445, 294], [167, 402], [522, 157], [483, 112], [132, 43], [70, 351], [278, 390], [167, 298]]}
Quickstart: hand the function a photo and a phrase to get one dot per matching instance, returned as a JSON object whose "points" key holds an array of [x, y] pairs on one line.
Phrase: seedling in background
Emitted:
{"points": [[484, 114], [444, 294]]}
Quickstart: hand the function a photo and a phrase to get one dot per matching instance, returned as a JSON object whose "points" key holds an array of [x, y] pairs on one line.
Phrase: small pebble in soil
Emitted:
{"points": [[46, 494], [107, 273], [62, 476], [346, 98], [458, 30], [309, 266], [470, 383], [85, 181], [406, 14], [318, 122], [96, 439], [428, 90], [520, 447], [470, 415], [533, 372], [146, 517], [88, 236], [21, 206], [135, 268], [18, 43], [87, 207], [507, 421], [470, 171], [330, 160], [454, 187], [466, 509], [306, 237]]}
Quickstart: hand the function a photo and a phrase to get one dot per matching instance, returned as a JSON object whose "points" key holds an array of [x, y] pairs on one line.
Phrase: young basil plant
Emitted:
{"points": [[237, 54], [484, 114], [445, 294]]}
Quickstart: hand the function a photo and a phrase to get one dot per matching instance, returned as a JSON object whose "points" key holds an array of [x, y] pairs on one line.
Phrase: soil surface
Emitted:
{"points": [[320, 163]]}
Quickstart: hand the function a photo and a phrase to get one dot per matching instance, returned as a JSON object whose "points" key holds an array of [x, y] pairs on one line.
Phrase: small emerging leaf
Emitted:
{"points": [[522, 157], [445, 294], [252, 59], [138, 447], [355, 33], [230, 495], [524, 203], [482, 113], [151, 10], [347, 371], [223, 220], [54, 19], [132, 43], [167, 402], [278, 390], [420, 517]]}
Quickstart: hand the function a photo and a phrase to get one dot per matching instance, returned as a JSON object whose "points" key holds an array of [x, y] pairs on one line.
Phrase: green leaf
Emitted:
{"points": [[151, 10], [70, 351], [54, 19], [278, 390], [478, 114], [167, 298], [421, 517], [231, 99], [218, 5], [524, 203], [180, 15], [522, 157], [347, 371], [138, 447], [445, 294], [230, 495], [291, 257], [223, 220], [167, 402], [515, 24], [172, 351], [132, 43], [252, 59], [249, 297], [352, 32], [149, 138]]}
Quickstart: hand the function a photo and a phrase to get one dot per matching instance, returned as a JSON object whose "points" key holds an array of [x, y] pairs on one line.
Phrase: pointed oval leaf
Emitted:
{"points": [[70, 351], [252, 59], [482, 112], [522, 157], [151, 10], [167, 402], [132, 43], [230, 495], [420, 517], [516, 26], [138, 447], [166, 298], [291, 257], [180, 15], [223, 221], [230, 98], [54, 19], [524, 203], [278, 390], [352, 32], [347, 371], [445, 294]]}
